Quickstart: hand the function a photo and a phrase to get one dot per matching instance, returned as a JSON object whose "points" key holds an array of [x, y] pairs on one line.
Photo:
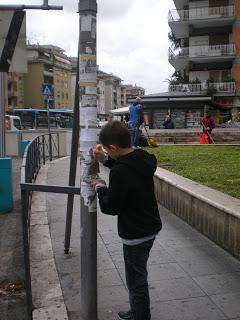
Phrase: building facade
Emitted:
{"points": [[111, 93], [206, 50], [47, 64], [15, 90], [133, 92]]}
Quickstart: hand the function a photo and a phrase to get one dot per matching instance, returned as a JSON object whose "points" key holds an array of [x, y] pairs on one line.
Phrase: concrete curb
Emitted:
{"points": [[46, 290]]}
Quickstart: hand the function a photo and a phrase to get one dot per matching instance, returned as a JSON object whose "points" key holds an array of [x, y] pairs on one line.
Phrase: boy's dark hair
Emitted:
{"points": [[117, 133]]}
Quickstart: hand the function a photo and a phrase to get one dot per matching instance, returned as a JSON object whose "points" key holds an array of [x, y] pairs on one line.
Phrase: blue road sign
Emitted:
{"points": [[47, 89]]}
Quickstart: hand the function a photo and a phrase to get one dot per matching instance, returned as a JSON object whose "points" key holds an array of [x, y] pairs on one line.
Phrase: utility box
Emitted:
{"points": [[6, 194], [23, 146]]}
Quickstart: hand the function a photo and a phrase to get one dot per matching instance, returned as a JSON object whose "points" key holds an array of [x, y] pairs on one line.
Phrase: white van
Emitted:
{"points": [[13, 123]]}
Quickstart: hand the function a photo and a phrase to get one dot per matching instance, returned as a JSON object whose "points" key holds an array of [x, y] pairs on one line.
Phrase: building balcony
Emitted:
{"points": [[181, 3], [201, 54], [204, 87], [13, 93], [207, 17], [48, 73]]}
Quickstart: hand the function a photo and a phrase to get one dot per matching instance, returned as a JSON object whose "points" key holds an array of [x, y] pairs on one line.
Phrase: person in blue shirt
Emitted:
{"points": [[135, 120]]}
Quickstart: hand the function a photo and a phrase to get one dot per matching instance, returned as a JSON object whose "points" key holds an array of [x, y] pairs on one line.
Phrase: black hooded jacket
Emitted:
{"points": [[130, 195]]}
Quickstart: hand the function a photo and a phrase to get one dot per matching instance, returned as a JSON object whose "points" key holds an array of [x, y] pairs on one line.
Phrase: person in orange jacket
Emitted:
{"points": [[208, 124]]}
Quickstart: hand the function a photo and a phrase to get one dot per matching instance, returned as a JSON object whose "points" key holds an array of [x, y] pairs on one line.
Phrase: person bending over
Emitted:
{"points": [[131, 197]]}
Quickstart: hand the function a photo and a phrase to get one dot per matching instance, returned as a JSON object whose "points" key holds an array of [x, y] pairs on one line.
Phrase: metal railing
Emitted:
{"points": [[220, 50], [36, 154], [227, 87], [201, 13]]}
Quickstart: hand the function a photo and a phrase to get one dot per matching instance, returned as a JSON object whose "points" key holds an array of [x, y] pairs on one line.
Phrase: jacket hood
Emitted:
{"points": [[141, 161]]}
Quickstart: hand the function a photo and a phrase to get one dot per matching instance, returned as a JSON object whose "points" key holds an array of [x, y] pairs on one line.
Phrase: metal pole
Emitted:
{"points": [[44, 6], [2, 115], [73, 163], [49, 131], [88, 138], [25, 204]]}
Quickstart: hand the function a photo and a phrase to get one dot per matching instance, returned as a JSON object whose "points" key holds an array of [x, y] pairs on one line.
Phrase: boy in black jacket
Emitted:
{"points": [[131, 197]]}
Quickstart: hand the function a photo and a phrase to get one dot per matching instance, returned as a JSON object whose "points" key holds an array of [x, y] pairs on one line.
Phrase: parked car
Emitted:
{"points": [[13, 123]]}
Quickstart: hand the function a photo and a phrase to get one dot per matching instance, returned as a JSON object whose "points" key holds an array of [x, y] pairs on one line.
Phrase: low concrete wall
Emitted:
{"points": [[213, 213], [13, 139], [176, 136]]}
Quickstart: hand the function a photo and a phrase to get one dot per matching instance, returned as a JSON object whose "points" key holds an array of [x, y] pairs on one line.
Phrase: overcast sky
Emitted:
{"points": [[132, 37]]}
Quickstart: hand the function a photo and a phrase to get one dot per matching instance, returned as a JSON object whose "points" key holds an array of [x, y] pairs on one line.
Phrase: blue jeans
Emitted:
{"points": [[135, 258], [135, 134]]}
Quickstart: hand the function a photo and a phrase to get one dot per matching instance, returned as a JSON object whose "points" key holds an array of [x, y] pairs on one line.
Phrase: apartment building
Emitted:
{"points": [[47, 64], [205, 50], [133, 91], [111, 94], [15, 90]]}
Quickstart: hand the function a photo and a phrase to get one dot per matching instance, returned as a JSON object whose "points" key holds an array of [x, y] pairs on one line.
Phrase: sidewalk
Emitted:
{"points": [[12, 295], [190, 277]]}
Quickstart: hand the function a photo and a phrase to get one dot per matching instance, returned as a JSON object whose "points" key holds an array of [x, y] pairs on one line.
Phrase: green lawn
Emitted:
{"points": [[217, 167]]}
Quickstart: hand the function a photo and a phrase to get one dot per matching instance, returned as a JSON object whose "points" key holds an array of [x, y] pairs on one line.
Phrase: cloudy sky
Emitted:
{"points": [[132, 36]]}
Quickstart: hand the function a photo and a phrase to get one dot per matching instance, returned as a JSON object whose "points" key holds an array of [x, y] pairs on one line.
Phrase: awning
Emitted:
{"points": [[120, 111]]}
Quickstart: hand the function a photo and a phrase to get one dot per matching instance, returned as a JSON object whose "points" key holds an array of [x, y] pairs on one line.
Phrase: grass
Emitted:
{"points": [[217, 167]]}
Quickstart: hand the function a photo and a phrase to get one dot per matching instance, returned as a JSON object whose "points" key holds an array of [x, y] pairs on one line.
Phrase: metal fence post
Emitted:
{"points": [[25, 205], [43, 150]]}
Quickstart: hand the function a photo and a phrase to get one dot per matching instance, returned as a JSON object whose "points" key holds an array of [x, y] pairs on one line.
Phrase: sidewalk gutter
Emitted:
{"points": [[47, 293]]}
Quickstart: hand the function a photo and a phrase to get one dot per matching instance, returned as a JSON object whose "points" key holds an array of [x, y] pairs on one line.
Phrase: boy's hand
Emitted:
{"points": [[98, 183], [99, 154]]}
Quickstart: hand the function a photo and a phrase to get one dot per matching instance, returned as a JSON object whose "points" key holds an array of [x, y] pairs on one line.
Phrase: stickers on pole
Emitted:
{"points": [[88, 138], [88, 117], [87, 192], [88, 100], [88, 24], [87, 69]]}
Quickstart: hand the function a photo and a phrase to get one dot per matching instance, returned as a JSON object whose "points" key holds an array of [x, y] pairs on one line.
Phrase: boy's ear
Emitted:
{"points": [[113, 147]]}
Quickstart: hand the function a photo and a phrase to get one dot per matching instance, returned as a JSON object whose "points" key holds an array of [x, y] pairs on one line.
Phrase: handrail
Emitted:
{"points": [[36, 154], [38, 151], [203, 51], [201, 13], [228, 87]]}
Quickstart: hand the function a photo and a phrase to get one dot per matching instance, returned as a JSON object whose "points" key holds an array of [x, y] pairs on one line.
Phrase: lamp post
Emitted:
{"points": [[88, 138]]}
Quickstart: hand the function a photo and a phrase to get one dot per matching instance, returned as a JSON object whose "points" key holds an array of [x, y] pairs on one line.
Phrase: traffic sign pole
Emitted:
{"points": [[49, 130]]}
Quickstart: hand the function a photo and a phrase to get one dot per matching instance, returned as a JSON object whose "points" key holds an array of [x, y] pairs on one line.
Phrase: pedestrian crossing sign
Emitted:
{"points": [[47, 89]]}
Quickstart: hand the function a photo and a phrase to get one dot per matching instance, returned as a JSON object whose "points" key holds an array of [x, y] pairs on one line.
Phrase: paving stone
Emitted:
{"points": [[200, 308], [112, 297], [173, 289], [160, 256], [58, 312], [109, 277], [165, 271], [228, 303], [220, 283]]}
